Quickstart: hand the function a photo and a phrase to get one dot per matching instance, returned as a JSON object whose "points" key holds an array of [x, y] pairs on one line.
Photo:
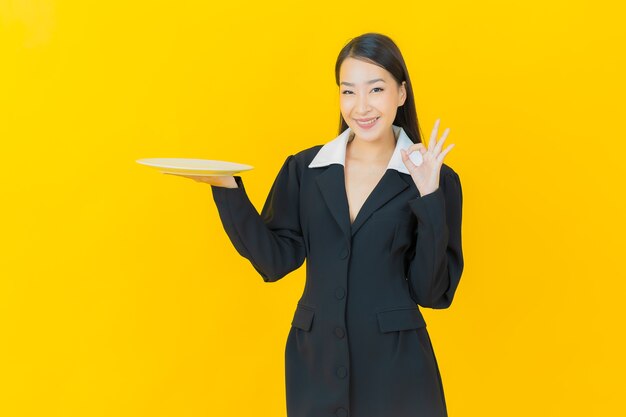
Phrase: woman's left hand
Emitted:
{"points": [[426, 175]]}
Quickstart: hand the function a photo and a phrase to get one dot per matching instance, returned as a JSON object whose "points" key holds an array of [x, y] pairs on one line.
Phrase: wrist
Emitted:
{"points": [[229, 182]]}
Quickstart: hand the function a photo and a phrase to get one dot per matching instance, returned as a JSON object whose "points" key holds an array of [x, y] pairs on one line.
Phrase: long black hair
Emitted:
{"points": [[380, 50]]}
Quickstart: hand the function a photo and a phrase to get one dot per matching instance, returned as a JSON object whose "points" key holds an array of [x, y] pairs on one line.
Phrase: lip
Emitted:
{"points": [[364, 120]]}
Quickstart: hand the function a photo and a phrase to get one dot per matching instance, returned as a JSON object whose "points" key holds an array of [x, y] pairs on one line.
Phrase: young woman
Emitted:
{"points": [[381, 236]]}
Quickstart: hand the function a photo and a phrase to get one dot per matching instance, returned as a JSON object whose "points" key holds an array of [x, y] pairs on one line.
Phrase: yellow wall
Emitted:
{"points": [[120, 294]]}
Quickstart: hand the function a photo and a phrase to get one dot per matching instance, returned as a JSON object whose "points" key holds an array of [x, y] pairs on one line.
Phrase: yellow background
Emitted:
{"points": [[120, 293]]}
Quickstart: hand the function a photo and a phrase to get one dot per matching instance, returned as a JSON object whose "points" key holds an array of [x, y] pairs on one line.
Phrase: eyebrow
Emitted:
{"points": [[369, 82]]}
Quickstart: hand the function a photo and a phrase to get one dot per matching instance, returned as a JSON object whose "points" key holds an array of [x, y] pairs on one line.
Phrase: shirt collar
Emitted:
{"points": [[334, 152]]}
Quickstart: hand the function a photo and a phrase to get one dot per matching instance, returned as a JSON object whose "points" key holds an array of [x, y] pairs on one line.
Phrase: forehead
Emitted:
{"points": [[358, 71]]}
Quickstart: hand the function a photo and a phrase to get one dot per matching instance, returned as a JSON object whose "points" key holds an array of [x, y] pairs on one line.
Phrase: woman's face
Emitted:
{"points": [[368, 92]]}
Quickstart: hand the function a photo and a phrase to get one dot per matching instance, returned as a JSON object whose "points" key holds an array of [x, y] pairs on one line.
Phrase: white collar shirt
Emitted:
{"points": [[334, 151]]}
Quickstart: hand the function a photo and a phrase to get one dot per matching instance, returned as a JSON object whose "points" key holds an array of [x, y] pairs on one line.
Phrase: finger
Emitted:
{"points": [[433, 135], [178, 175], [445, 152], [416, 147], [439, 144], [407, 161]]}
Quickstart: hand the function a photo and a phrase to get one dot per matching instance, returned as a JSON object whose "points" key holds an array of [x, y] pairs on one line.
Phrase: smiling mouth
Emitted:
{"points": [[370, 122]]}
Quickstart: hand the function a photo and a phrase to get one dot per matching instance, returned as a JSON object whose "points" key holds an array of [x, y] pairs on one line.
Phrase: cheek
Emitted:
{"points": [[385, 103], [345, 107]]}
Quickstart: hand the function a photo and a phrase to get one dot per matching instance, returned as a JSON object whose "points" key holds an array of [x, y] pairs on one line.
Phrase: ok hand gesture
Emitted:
{"points": [[426, 175]]}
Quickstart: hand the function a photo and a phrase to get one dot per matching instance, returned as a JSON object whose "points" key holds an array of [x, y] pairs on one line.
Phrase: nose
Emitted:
{"points": [[362, 105]]}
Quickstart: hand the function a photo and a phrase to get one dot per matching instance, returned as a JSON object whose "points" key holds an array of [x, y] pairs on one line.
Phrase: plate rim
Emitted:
{"points": [[242, 167]]}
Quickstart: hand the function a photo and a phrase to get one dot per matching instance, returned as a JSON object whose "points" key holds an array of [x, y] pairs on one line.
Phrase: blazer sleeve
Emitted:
{"points": [[435, 270], [272, 240]]}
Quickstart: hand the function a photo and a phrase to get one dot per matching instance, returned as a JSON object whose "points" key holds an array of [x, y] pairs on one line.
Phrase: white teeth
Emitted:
{"points": [[368, 123]]}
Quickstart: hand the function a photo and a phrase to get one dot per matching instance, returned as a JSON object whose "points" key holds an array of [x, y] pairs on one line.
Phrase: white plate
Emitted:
{"points": [[197, 167]]}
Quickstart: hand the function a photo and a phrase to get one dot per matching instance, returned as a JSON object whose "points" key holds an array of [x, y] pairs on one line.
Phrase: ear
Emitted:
{"points": [[402, 96]]}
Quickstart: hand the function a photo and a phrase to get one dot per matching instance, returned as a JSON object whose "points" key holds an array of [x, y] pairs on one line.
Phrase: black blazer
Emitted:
{"points": [[358, 344]]}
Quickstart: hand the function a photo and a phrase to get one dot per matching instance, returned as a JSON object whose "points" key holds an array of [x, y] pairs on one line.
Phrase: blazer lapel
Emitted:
{"points": [[333, 188], [390, 185], [331, 183]]}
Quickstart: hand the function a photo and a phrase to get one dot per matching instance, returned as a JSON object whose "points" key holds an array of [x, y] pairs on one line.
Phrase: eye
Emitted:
{"points": [[375, 88]]}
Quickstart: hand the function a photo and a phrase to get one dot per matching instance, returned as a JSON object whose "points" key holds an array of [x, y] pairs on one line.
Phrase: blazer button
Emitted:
{"points": [[339, 332], [340, 293], [341, 412], [344, 253], [342, 372]]}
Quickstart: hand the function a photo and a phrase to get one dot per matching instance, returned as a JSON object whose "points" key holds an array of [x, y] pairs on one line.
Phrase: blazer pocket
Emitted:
{"points": [[400, 318], [303, 317]]}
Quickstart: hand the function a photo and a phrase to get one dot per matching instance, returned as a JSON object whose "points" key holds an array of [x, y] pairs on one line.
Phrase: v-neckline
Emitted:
{"points": [[369, 196], [345, 186]]}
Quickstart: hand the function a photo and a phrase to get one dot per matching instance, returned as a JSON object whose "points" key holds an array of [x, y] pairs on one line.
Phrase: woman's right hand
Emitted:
{"points": [[220, 181]]}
